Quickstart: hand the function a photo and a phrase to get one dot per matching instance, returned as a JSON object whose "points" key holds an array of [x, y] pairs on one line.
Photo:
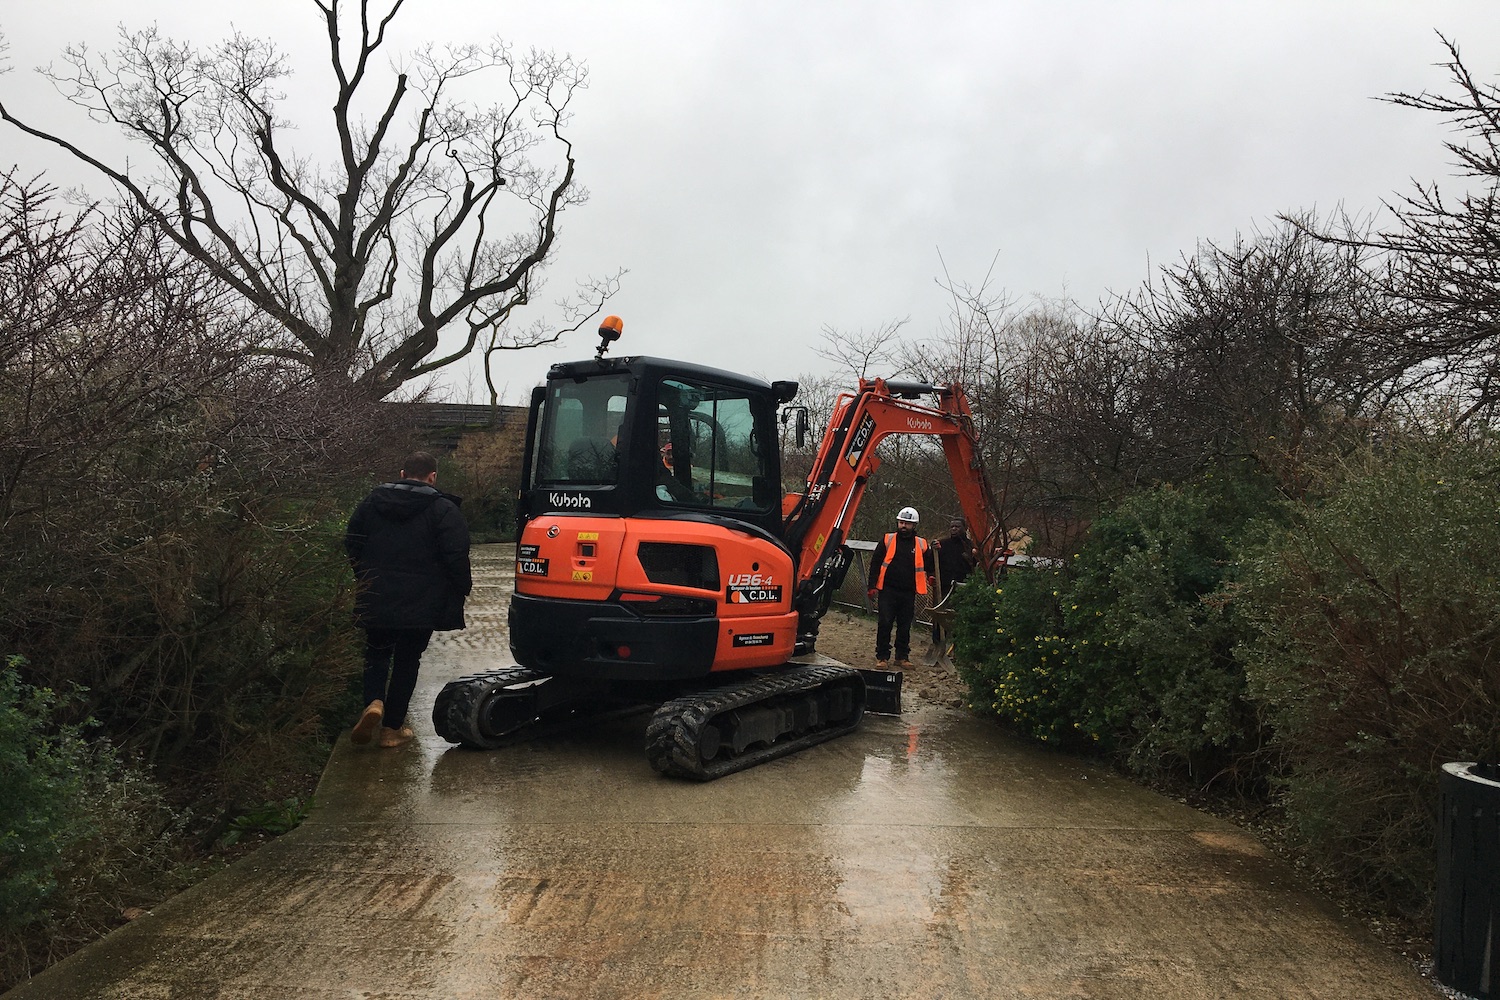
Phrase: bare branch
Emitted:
{"points": [[430, 216]]}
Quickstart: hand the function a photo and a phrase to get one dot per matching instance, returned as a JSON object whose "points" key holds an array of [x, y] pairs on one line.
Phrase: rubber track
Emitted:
{"points": [[673, 735], [455, 714]]}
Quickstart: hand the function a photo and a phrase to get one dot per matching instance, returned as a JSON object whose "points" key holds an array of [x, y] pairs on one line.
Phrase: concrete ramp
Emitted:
{"points": [[926, 856]]}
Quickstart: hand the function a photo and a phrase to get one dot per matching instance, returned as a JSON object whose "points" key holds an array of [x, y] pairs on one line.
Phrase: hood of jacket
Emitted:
{"points": [[406, 499]]}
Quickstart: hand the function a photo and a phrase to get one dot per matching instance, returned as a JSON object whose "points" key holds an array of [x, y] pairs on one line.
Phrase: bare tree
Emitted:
{"points": [[1049, 398], [1271, 349], [1444, 259], [435, 213], [589, 302], [864, 353]]}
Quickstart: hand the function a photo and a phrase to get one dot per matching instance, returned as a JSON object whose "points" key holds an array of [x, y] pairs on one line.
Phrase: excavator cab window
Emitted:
{"points": [[579, 442], [713, 455]]}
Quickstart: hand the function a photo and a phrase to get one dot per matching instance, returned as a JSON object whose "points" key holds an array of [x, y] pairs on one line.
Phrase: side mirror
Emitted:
{"points": [[799, 428]]}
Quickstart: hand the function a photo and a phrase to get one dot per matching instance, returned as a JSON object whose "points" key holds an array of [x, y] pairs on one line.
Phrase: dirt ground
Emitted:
{"points": [[850, 638]]}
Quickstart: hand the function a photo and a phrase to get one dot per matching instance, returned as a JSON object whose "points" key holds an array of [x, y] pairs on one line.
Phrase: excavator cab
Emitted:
{"points": [[650, 507], [647, 437]]}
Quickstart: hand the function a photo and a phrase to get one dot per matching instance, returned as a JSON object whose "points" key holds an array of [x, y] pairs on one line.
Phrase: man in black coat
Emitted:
{"points": [[956, 559], [409, 547]]}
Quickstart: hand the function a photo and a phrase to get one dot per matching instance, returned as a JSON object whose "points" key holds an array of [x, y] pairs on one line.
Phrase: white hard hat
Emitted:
{"points": [[907, 514]]}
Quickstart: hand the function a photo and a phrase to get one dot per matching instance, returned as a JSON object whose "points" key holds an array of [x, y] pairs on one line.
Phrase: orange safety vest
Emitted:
{"points": [[919, 553]]}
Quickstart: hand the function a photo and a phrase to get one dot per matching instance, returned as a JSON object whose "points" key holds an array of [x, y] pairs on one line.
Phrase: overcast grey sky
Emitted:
{"points": [[767, 168]]}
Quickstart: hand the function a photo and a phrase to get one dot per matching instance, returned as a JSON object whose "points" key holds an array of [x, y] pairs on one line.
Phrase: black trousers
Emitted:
{"points": [[392, 658], [894, 607]]}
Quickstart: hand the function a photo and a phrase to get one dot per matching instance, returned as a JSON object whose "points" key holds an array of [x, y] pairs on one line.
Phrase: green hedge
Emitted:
{"points": [[82, 831], [1374, 652], [1130, 646]]}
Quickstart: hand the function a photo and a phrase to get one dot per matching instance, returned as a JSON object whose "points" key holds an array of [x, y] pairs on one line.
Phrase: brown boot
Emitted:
{"points": [[369, 721], [882, 664], [904, 664], [390, 738]]}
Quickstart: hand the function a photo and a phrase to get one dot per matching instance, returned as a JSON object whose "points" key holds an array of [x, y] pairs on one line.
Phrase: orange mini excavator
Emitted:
{"points": [[659, 562]]}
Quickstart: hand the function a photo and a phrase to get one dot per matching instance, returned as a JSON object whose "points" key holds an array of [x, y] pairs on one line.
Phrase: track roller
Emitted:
{"points": [[499, 708], [712, 733], [489, 710]]}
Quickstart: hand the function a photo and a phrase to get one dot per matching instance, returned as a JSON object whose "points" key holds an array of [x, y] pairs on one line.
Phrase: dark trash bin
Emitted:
{"points": [[1466, 930]]}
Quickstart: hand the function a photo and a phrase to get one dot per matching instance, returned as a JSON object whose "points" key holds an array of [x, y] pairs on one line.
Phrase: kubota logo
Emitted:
{"points": [[574, 500], [919, 423]]}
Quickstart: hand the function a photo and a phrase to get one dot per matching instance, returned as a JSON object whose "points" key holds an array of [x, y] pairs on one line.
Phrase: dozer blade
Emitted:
{"points": [[712, 733]]}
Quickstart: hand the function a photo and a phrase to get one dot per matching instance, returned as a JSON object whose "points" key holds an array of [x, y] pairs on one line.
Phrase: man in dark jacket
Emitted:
{"points": [[898, 573], [409, 547], [956, 559]]}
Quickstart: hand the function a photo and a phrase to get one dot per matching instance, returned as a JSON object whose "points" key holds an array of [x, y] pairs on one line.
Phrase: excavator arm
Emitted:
{"points": [[818, 521]]}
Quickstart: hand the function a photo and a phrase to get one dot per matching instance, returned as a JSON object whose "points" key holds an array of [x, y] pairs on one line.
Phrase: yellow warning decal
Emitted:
{"points": [[588, 536], [583, 576], [818, 545]]}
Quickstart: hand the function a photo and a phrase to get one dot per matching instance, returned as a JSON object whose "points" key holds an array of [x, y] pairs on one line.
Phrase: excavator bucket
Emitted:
{"points": [[882, 691]]}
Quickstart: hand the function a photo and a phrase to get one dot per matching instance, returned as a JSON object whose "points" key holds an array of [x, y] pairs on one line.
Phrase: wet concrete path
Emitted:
{"points": [[927, 856]]}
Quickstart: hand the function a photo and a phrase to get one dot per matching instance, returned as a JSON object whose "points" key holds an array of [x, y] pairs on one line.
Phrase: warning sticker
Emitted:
{"points": [[749, 594], [531, 567], [754, 639], [583, 576], [588, 536]]}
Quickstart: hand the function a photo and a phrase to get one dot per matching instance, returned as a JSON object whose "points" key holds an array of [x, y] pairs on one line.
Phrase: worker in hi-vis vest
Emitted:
{"points": [[900, 570]]}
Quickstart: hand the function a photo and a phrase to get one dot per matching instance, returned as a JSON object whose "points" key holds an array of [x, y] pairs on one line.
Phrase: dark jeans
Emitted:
{"points": [[894, 607], [393, 653]]}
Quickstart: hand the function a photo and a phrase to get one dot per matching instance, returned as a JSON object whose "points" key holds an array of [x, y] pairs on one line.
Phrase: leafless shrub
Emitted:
{"points": [[169, 498], [1271, 349]]}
